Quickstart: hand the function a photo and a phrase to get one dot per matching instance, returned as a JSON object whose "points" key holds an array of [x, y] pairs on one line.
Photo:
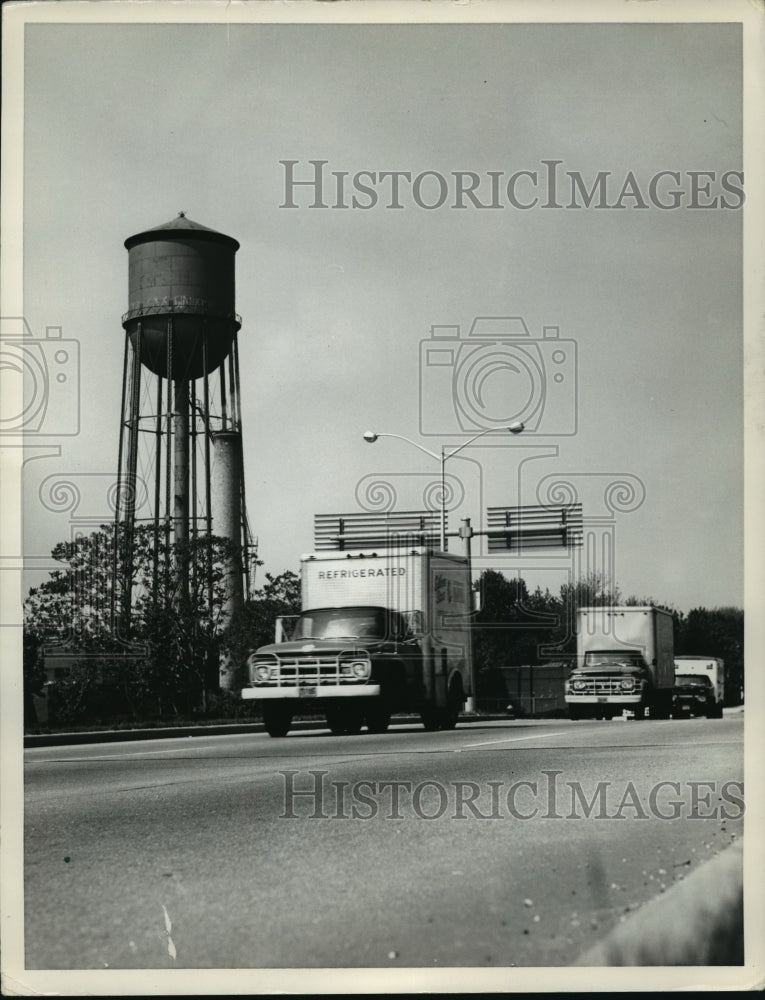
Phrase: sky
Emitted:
{"points": [[125, 125]]}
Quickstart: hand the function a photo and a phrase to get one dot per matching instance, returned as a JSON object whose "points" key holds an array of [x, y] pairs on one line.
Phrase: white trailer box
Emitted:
{"points": [[378, 632]]}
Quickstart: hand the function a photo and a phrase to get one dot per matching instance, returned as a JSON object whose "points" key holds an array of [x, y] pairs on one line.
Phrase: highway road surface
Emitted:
{"points": [[518, 843]]}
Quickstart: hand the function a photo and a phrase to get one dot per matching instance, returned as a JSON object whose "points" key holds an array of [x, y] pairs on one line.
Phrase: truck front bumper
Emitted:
{"points": [[697, 706], [604, 699], [310, 692]]}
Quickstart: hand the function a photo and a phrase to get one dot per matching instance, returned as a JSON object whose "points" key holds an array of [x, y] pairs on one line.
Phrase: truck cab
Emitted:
{"points": [[693, 695], [609, 680], [699, 687]]}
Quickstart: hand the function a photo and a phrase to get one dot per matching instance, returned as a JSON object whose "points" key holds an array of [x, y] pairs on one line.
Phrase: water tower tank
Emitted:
{"points": [[181, 278]]}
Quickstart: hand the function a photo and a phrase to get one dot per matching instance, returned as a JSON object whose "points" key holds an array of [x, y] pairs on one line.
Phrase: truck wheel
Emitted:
{"points": [[575, 714], [354, 720], [277, 719], [344, 721], [449, 718], [430, 718], [662, 707], [377, 717], [451, 711], [335, 721]]}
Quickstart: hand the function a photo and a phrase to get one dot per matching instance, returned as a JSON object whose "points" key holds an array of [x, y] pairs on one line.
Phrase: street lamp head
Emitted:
{"points": [[370, 437], [517, 427]]}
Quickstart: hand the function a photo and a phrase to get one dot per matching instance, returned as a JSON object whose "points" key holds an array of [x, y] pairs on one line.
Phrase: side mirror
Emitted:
{"points": [[279, 630]]}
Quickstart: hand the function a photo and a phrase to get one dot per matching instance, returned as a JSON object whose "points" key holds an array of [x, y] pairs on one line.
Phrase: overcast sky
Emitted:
{"points": [[126, 125]]}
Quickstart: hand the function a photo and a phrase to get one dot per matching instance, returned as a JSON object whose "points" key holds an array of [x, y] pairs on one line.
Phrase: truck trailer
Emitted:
{"points": [[699, 687], [624, 661], [379, 632]]}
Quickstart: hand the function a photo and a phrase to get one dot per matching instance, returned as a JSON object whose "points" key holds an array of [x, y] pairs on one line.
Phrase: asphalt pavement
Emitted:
{"points": [[498, 845]]}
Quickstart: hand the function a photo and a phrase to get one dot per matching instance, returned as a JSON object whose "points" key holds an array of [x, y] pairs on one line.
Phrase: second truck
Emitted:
{"points": [[624, 661]]}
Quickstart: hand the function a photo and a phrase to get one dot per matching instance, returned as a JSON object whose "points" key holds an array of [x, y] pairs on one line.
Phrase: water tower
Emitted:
{"points": [[180, 446]]}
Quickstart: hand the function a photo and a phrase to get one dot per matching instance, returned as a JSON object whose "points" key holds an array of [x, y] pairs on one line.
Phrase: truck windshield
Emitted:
{"points": [[614, 659], [692, 680], [341, 623]]}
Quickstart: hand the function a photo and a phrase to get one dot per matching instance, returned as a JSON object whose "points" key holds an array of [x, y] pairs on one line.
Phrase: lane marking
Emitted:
{"points": [[509, 739], [110, 756], [611, 746], [168, 927]]}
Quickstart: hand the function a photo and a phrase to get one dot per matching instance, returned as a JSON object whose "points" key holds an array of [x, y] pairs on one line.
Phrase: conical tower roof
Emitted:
{"points": [[181, 226]]}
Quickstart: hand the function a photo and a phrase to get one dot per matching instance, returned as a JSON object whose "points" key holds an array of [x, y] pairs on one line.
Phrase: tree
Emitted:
{"points": [[34, 673], [253, 626], [160, 659], [509, 630]]}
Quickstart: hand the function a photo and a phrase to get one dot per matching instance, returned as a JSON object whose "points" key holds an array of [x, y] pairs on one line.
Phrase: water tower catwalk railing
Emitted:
{"points": [[180, 425]]}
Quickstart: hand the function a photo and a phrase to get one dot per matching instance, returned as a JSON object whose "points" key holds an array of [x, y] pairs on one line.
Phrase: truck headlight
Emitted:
{"points": [[361, 668], [628, 684], [262, 672], [578, 685]]}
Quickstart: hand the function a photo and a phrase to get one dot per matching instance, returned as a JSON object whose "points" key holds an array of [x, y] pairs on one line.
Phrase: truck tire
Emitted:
{"points": [[455, 700], [277, 719], [574, 713], [662, 706], [345, 720], [445, 718], [377, 716], [430, 718], [716, 712]]}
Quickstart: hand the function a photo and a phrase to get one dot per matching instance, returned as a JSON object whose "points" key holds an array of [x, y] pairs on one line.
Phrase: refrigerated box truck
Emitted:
{"points": [[624, 661], [378, 633], [699, 686]]}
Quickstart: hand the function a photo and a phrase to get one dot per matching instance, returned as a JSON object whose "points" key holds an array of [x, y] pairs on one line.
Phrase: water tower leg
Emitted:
{"points": [[181, 485], [157, 490], [115, 611], [129, 485], [227, 524]]}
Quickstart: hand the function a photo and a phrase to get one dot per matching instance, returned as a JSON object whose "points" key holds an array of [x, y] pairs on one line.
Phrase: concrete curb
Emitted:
{"points": [[225, 729], [699, 921]]}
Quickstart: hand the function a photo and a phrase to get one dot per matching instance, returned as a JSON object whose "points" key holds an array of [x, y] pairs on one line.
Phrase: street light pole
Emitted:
{"points": [[466, 531], [443, 499], [515, 428]]}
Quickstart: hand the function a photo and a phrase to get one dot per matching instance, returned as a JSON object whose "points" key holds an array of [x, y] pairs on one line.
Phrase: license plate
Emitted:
{"points": [[307, 690], [603, 699]]}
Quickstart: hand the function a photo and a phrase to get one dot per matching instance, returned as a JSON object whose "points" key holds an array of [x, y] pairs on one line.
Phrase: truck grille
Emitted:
{"points": [[308, 670], [601, 686]]}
